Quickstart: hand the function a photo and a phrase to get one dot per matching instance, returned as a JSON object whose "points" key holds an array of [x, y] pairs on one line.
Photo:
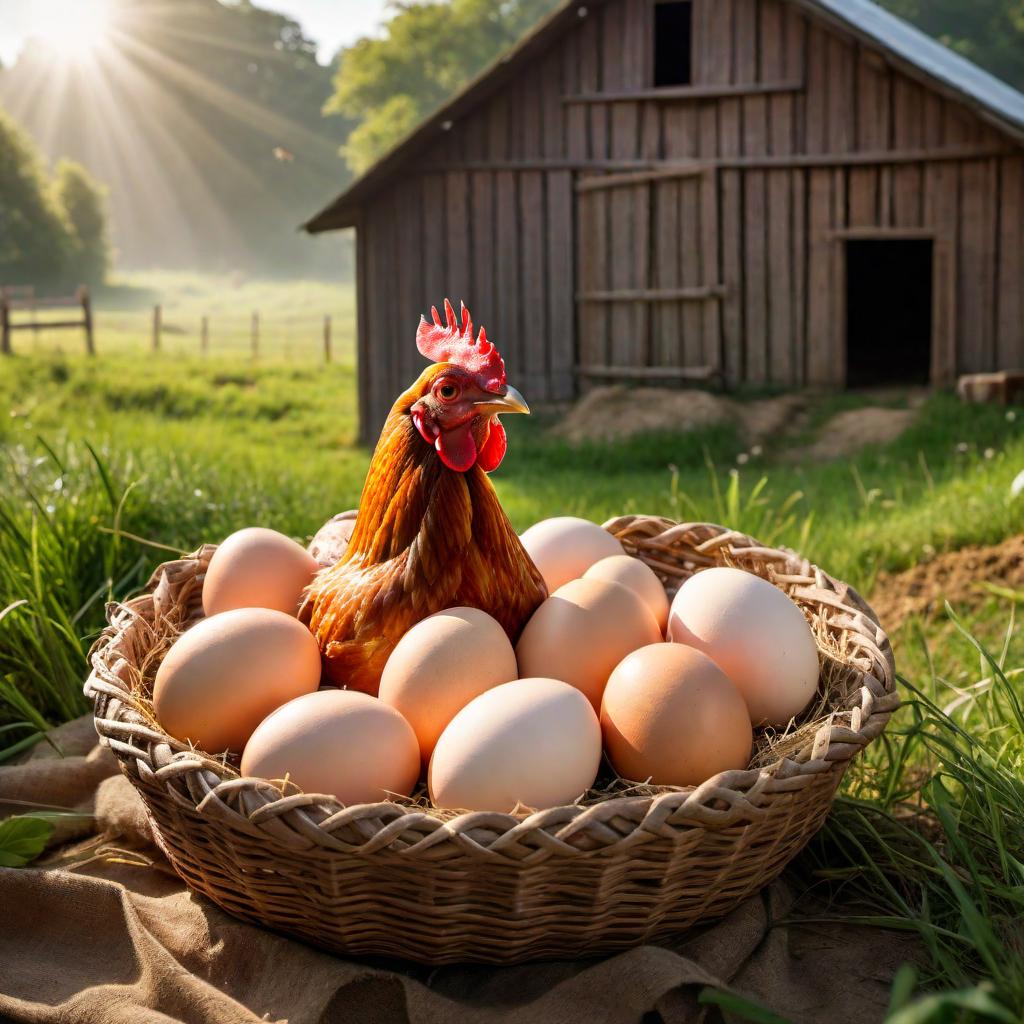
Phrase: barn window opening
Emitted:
{"points": [[888, 311], [673, 42]]}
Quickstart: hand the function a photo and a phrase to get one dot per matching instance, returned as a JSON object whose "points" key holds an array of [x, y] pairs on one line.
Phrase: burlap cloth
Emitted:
{"points": [[102, 930]]}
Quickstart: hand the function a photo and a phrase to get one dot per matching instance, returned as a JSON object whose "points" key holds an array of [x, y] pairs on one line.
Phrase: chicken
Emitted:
{"points": [[430, 532]]}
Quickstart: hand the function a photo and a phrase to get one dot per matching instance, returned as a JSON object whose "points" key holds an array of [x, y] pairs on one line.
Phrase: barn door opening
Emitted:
{"points": [[888, 311]]}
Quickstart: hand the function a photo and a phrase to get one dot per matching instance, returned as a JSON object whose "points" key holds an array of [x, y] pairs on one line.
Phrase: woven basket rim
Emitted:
{"points": [[211, 788]]}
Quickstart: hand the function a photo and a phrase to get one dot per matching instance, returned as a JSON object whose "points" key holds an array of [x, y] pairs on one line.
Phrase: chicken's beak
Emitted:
{"points": [[511, 401]]}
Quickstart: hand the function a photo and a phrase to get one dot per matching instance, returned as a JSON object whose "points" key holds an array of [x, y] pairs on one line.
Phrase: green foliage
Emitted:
{"points": [[84, 202], [988, 32], [429, 51], [22, 839], [35, 243], [204, 117]]}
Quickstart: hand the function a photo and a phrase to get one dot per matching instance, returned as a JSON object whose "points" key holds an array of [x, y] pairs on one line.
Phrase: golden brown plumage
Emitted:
{"points": [[430, 532]]}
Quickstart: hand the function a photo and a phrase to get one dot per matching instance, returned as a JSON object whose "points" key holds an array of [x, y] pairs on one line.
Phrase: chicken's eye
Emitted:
{"points": [[448, 392]]}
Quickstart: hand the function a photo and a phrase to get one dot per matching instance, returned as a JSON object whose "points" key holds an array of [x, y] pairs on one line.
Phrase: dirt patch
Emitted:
{"points": [[955, 577], [849, 431], [616, 413]]}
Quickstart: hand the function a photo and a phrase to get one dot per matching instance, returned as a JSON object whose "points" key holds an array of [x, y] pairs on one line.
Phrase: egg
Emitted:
{"points": [[223, 676], [672, 716], [582, 631], [755, 633], [441, 664], [337, 742], [564, 548], [532, 742], [639, 577], [257, 568]]}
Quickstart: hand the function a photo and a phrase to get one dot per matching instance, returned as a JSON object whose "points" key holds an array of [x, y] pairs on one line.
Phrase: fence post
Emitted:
{"points": [[327, 338], [255, 334], [204, 335], [5, 326], [85, 299], [157, 318]]}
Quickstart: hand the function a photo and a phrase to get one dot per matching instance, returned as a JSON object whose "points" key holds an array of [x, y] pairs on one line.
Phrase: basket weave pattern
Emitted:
{"points": [[399, 879]]}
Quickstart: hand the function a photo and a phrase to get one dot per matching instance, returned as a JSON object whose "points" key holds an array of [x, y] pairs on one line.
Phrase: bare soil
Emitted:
{"points": [[618, 412], [956, 576]]}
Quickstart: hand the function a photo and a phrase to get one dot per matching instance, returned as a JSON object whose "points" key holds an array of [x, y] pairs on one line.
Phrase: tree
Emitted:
{"points": [[35, 243], [84, 202], [988, 32], [204, 118], [429, 51]]}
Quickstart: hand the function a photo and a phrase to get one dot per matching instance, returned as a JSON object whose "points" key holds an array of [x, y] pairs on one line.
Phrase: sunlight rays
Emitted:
{"points": [[131, 112]]}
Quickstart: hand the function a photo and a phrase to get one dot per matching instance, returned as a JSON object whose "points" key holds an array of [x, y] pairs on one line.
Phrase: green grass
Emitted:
{"points": [[291, 317], [178, 449]]}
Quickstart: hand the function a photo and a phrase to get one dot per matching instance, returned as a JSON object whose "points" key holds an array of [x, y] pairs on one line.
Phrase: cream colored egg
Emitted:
{"points": [[755, 633], [337, 742], [257, 568], [534, 743], [564, 548], [582, 631], [441, 664], [223, 676], [639, 577], [672, 716]]}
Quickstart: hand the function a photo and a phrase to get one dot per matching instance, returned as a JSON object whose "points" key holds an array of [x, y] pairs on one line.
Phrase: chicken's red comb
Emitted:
{"points": [[452, 343]]}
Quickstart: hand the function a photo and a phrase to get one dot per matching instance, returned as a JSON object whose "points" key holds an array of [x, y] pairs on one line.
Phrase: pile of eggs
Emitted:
{"points": [[670, 694]]}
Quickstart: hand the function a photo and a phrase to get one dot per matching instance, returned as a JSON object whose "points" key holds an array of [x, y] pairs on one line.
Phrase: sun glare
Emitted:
{"points": [[76, 30]]}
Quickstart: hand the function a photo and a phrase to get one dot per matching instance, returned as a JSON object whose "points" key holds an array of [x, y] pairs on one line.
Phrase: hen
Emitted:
{"points": [[430, 532]]}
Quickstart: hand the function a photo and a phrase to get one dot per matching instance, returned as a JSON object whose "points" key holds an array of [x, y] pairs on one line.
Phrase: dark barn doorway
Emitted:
{"points": [[888, 311]]}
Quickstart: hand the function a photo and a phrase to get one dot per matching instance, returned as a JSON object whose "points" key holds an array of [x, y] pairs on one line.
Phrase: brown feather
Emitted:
{"points": [[426, 538]]}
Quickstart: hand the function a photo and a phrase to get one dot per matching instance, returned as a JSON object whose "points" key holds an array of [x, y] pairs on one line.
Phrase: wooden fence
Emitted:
{"points": [[252, 333], [22, 298]]}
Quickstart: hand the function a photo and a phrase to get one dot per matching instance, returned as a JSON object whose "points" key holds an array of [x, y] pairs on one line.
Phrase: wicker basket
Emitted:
{"points": [[606, 873]]}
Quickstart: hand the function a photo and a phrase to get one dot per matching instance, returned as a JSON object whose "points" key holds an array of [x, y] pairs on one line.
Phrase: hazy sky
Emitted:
{"points": [[331, 23]]}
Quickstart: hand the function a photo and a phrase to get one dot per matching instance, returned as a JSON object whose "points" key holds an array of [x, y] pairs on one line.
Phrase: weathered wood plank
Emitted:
{"points": [[674, 93], [1010, 289], [364, 339], [976, 271], [908, 133], [533, 228], [553, 113], [798, 190], [666, 348], [819, 280], [679, 328], [458, 282], [592, 230], [941, 186], [755, 136], [711, 270], [561, 331], [685, 293], [647, 372], [714, 21], [508, 292], [435, 262], [409, 300], [483, 244], [731, 201]]}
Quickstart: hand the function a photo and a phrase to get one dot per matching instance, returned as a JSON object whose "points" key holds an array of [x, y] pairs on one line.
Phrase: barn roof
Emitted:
{"points": [[910, 49]]}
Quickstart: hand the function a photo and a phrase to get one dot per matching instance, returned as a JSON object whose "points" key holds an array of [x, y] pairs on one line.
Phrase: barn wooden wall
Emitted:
{"points": [[793, 137]]}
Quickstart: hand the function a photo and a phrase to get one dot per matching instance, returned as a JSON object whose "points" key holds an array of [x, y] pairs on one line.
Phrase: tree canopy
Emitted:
{"points": [[204, 119], [429, 51]]}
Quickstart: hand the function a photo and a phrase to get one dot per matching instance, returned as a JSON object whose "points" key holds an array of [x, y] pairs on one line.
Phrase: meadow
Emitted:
{"points": [[114, 464]]}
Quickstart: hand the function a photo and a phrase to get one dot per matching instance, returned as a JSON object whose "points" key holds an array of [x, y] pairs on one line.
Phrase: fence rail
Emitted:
{"points": [[163, 330]]}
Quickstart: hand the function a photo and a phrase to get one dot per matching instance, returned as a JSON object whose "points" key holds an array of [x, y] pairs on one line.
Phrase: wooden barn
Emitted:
{"points": [[770, 192]]}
